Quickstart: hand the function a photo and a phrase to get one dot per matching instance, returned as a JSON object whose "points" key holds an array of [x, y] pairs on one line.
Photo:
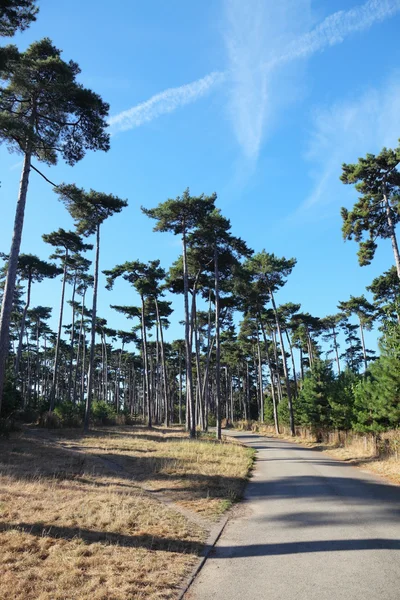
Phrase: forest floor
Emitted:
{"points": [[119, 513]]}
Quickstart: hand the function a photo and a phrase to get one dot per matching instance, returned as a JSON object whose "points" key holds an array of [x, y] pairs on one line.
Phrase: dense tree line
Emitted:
{"points": [[243, 355]]}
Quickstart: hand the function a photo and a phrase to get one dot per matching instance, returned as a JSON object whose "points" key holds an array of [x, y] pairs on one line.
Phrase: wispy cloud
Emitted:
{"points": [[260, 44], [256, 34], [335, 28], [344, 131], [163, 103]]}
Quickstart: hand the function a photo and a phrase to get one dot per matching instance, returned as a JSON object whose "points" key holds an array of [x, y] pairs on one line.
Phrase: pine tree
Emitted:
{"points": [[376, 213], [377, 397], [44, 113], [16, 15], [89, 211], [181, 216]]}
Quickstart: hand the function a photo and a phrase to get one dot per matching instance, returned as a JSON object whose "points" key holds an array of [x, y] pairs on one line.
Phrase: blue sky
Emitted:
{"points": [[260, 101]]}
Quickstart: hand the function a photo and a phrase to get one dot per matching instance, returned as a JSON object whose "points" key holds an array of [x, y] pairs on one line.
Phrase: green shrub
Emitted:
{"points": [[212, 421], [50, 420], [12, 398], [70, 414], [103, 413], [27, 415], [283, 412]]}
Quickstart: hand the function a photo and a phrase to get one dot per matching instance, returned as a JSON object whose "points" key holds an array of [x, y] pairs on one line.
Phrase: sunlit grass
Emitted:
{"points": [[78, 523]]}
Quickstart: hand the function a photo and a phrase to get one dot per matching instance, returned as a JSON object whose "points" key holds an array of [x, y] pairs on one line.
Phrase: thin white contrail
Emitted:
{"points": [[333, 30], [163, 103]]}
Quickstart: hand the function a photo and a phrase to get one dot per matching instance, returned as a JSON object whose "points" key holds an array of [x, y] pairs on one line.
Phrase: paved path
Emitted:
{"points": [[311, 528]]}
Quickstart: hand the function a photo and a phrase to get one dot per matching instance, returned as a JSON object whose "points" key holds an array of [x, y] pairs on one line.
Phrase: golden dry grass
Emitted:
{"points": [[76, 523]]}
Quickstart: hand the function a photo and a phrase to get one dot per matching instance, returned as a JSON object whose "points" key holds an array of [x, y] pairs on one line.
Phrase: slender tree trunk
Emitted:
{"points": [[301, 364], [79, 346], [146, 400], [217, 347], [277, 369], [117, 379], [293, 363], [188, 347], [23, 321], [274, 402], [336, 348], [72, 342], [285, 369], [261, 392], [180, 388], [57, 350], [392, 233], [92, 334], [363, 346], [164, 367], [8, 297]]}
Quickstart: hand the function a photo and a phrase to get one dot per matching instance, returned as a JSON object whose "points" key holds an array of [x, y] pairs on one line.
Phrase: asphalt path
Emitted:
{"points": [[310, 528]]}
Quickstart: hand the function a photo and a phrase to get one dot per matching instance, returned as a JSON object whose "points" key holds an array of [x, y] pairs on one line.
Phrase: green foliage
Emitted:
{"points": [[69, 414], [12, 398], [212, 421], [313, 406], [377, 397], [341, 400], [44, 111], [16, 15], [375, 214], [283, 413], [103, 413], [268, 410]]}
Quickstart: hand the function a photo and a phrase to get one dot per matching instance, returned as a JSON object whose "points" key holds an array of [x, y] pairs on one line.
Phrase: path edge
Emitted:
{"points": [[212, 539]]}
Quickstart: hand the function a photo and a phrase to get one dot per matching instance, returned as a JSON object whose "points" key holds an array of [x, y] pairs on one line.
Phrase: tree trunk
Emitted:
{"points": [[217, 347], [336, 348], [392, 232], [180, 388], [164, 367], [79, 347], [8, 297], [285, 369], [293, 363], [23, 321], [57, 350], [260, 377], [274, 402], [92, 334], [363, 346], [188, 348], [146, 400], [72, 342]]}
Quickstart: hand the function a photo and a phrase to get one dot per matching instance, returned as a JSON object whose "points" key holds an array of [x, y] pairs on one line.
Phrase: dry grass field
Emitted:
{"points": [[86, 516]]}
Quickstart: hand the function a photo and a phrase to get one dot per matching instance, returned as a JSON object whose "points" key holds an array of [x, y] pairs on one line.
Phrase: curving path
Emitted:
{"points": [[310, 528]]}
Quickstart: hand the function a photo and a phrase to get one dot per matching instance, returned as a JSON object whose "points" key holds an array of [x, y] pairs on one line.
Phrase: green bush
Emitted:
{"points": [[211, 420], [70, 415], [283, 412], [268, 410], [103, 413], [12, 398], [50, 420], [377, 396]]}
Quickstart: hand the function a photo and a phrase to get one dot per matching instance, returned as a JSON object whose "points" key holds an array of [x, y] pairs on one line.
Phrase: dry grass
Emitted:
{"points": [[204, 476], [76, 524]]}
